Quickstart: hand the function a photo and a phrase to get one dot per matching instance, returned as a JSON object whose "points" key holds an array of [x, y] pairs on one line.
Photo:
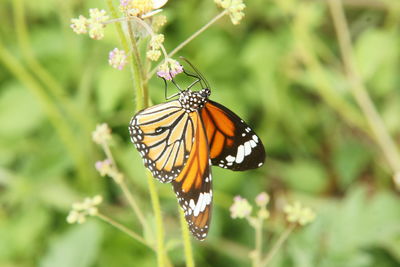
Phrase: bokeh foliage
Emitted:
{"points": [[280, 70]]}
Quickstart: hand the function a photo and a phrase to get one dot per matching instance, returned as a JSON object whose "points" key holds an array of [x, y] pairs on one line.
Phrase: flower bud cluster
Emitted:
{"points": [[94, 25], [169, 69], [297, 213], [234, 7], [155, 44], [80, 210]]}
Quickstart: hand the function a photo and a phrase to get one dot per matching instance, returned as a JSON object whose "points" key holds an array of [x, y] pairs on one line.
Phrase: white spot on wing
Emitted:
{"points": [[252, 143], [255, 138], [240, 154], [230, 158], [247, 148]]}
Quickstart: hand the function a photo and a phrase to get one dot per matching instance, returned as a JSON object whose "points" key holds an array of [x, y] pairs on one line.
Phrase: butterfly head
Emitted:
{"points": [[192, 101]]}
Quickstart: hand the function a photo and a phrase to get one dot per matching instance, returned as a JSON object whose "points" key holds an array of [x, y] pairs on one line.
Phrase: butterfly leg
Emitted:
{"points": [[166, 91]]}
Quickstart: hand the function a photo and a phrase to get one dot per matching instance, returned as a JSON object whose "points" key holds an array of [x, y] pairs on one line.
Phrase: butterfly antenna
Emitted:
{"points": [[197, 72]]}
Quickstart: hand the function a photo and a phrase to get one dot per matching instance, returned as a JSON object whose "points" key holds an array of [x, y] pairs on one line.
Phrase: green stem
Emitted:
{"points": [[56, 89], [322, 83], [186, 239], [378, 127], [198, 32], [54, 115], [44, 76], [124, 229], [128, 195], [277, 245], [137, 72], [258, 242], [159, 223], [189, 39], [118, 26]]}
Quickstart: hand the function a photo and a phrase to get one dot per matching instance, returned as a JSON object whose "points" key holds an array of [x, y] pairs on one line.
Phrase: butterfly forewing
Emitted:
{"points": [[233, 144], [163, 135], [193, 186]]}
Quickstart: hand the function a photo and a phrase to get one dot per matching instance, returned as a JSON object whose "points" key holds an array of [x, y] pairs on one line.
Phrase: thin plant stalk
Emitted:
{"points": [[186, 239], [258, 242], [135, 66], [124, 188], [44, 76], [54, 115], [161, 252], [323, 86], [124, 229], [278, 244], [189, 39], [118, 26], [142, 101], [382, 137]]}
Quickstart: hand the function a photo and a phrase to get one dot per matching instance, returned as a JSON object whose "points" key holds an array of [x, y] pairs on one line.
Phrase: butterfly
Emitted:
{"points": [[181, 139]]}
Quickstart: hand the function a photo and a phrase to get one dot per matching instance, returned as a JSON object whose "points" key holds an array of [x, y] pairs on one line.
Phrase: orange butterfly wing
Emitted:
{"points": [[233, 144], [193, 186], [163, 135]]}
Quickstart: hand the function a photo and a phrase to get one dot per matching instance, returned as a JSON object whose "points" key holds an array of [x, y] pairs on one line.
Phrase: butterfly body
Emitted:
{"points": [[179, 141]]}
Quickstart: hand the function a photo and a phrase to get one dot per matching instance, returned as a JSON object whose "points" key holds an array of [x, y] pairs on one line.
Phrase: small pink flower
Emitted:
{"points": [[103, 167], [117, 58], [262, 199], [124, 3], [169, 69]]}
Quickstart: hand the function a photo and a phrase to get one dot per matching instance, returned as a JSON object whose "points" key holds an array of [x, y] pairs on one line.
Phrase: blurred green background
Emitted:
{"points": [[280, 70]]}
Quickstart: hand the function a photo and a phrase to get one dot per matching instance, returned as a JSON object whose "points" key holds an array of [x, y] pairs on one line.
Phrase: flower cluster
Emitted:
{"points": [[234, 7], [155, 44], [169, 69], [141, 8], [296, 213], [102, 134], [94, 25], [80, 210], [117, 58]]}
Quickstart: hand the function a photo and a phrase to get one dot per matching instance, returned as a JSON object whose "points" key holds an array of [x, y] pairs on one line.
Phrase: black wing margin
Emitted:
{"points": [[233, 144]]}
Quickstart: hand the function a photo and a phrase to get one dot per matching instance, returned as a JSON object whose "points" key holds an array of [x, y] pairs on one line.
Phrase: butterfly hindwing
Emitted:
{"points": [[193, 186], [233, 144], [163, 135]]}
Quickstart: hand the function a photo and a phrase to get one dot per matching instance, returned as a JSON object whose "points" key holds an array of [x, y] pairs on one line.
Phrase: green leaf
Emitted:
{"points": [[77, 247], [19, 111], [349, 161]]}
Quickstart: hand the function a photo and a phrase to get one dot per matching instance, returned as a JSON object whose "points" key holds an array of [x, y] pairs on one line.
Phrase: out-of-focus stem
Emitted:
{"points": [[186, 239], [54, 115], [161, 253], [124, 229], [258, 241], [359, 91], [277, 245], [52, 84]]}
